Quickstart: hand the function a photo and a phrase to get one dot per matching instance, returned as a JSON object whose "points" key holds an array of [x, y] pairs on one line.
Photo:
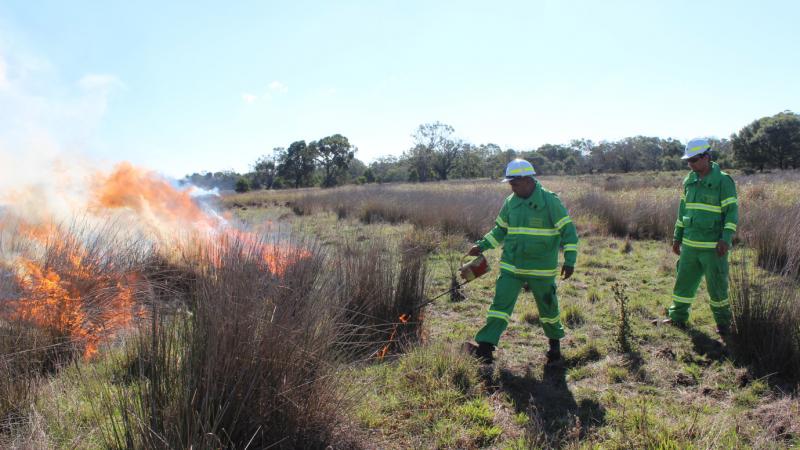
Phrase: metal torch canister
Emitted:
{"points": [[474, 268]]}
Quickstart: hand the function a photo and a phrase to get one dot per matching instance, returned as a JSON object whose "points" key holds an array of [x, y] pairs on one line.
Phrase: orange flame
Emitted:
{"points": [[71, 298], [74, 303], [404, 318]]}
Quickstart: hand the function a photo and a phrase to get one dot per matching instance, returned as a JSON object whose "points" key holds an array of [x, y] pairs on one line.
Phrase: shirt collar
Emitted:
{"points": [[713, 174], [536, 200]]}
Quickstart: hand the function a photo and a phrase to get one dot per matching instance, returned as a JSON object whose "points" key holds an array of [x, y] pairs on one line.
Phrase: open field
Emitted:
{"points": [[243, 343]]}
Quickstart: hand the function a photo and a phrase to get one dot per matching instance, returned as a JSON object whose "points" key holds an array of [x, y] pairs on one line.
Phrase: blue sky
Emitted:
{"points": [[188, 86]]}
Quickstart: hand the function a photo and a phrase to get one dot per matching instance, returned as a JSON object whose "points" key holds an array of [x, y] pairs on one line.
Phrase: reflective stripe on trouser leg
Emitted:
{"points": [[505, 297], [716, 272], [544, 291], [687, 280]]}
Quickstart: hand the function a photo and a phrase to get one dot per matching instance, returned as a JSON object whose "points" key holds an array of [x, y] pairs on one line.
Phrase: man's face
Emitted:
{"points": [[523, 186], [699, 163]]}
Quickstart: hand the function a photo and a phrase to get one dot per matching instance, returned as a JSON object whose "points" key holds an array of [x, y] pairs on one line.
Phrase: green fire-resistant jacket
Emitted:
{"points": [[709, 210], [532, 230]]}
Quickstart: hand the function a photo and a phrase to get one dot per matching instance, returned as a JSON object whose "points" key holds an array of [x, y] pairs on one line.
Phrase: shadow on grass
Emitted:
{"points": [[550, 405], [709, 347]]}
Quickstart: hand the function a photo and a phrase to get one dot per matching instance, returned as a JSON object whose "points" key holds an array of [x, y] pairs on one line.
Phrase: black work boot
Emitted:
{"points": [[482, 352], [554, 354]]}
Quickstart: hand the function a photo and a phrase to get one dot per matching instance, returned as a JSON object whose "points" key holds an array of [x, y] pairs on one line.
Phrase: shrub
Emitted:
{"points": [[623, 329]]}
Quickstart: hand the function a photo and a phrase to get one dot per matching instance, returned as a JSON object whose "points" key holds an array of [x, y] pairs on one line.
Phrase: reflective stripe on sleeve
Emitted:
{"points": [[728, 201], [730, 226], [492, 240], [501, 223], [570, 247], [564, 220]]}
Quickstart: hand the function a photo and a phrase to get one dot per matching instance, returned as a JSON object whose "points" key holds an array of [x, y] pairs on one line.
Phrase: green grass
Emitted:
{"points": [[677, 389]]}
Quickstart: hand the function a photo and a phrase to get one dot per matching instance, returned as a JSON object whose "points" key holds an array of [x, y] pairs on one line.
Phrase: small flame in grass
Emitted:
{"points": [[404, 318]]}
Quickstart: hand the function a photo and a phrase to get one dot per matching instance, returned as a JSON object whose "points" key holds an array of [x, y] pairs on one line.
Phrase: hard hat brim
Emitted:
{"points": [[507, 179], [684, 157]]}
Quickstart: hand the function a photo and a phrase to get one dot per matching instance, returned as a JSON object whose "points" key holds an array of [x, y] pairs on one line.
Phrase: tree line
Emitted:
{"points": [[439, 154]]}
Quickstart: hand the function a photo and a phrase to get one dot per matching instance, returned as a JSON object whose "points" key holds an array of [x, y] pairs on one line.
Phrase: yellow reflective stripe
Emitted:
{"points": [[553, 320], [728, 201], [564, 220], [730, 226], [680, 299], [498, 315], [524, 170], [719, 303], [704, 207], [699, 147], [531, 272], [533, 231], [502, 223], [699, 244], [570, 247], [492, 240], [679, 223]]}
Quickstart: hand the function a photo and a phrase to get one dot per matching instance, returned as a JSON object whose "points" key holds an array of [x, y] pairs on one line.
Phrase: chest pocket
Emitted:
{"points": [[708, 193], [531, 247]]}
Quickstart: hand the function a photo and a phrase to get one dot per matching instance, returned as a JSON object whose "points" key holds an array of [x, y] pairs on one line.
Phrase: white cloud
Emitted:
{"points": [[249, 98], [277, 86], [99, 82]]}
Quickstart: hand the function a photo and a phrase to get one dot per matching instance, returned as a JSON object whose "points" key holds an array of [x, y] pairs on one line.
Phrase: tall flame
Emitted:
{"points": [[70, 293]]}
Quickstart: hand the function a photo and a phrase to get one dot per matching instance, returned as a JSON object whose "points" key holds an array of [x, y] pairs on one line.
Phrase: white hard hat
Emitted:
{"points": [[519, 168], [696, 146]]}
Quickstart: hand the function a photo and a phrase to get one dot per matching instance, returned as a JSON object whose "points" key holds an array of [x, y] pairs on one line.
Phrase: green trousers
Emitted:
{"points": [[692, 265], [505, 297]]}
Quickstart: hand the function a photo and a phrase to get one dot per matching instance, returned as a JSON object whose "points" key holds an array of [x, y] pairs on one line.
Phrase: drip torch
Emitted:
{"points": [[469, 272]]}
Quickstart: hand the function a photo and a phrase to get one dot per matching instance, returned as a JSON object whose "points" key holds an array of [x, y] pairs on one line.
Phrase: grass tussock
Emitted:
{"points": [[766, 313]]}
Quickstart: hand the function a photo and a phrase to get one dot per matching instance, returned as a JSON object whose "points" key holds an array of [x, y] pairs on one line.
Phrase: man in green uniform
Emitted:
{"points": [[706, 223], [532, 226]]}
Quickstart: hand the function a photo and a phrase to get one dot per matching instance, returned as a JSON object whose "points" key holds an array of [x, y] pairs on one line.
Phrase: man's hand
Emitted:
{"points": [[567, 271], [474, 251], [722, 248], [676, 247]]}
